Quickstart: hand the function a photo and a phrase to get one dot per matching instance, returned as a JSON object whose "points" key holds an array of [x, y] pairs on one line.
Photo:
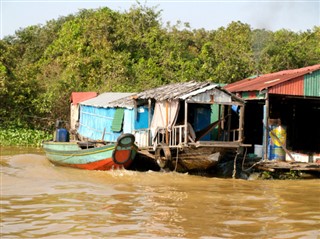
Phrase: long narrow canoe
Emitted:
{"points": [[86, 156]]}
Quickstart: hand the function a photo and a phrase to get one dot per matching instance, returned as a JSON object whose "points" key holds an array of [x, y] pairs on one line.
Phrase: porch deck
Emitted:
{"points": [[219, 144]]}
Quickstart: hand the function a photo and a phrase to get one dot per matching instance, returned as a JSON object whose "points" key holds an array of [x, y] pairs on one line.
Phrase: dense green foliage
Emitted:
{"points": [[104, 50], [22, 137]]}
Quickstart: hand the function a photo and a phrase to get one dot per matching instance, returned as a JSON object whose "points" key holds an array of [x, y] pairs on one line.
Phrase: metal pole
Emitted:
{"points": [[266, 123]]}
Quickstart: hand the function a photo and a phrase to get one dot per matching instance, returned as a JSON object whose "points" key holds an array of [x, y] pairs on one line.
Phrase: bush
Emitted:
{"points": [[13, 136]]}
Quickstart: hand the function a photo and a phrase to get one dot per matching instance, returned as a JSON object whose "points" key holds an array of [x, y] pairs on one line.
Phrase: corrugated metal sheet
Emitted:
{"points": [[312, 84], [172, 91], [111, 99], [185, 90], [292, 87], [77, 97], [278, 79], [199, 91], [181, 91]]}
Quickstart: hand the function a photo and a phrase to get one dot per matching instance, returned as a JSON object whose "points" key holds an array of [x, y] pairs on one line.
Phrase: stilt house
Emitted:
{"points": [[291, 97], [186, 124]]}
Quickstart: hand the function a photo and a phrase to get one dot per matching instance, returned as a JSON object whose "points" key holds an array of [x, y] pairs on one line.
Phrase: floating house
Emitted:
{"points": [[190, 125], [290, 99], [183, 126]]}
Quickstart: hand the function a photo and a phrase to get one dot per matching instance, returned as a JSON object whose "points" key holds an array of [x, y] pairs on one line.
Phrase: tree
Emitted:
{"points": [[233, 53], [104, 50]]}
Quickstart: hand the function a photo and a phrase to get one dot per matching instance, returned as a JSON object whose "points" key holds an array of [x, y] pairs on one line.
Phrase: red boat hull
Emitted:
{"points": [[105, 164]]}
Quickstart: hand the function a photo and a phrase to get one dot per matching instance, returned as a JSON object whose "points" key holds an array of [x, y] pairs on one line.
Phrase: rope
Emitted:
{"points": [[235, 166], [244, 158]]}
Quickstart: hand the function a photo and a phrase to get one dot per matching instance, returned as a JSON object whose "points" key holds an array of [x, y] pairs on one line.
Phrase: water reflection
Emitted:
{"points": [[44, 201]]}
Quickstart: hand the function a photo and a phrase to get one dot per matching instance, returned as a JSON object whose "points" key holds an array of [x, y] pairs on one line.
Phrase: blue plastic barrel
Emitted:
{"points": [[62, 135]]}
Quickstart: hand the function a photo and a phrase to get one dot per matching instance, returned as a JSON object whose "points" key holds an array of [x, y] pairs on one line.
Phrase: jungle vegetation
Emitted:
{"points": [[104, 50]]}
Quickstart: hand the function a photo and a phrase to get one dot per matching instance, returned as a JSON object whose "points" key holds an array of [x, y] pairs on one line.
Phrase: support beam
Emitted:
{"points": [[167, 122], [229, 122], [149, 122], [185, 122], [265, 129], [241, 123]]}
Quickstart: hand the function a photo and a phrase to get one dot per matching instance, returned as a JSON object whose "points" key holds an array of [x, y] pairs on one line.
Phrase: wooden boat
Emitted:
{"points": [[90, 156]]}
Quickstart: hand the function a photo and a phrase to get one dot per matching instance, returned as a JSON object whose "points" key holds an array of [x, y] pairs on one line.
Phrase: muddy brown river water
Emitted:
{"points": [[39, 200]]}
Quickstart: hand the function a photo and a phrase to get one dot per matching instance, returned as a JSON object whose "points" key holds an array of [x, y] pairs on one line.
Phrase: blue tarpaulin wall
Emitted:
{"points": [[141, 121], [96, 121]]}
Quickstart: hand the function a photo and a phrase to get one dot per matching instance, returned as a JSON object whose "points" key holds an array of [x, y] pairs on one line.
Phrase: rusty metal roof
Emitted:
{"points": [[272, 80]]}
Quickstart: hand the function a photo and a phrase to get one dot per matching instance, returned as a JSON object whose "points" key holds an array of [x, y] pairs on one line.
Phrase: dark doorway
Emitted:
{"points": [[301, 118], [253, 117]]}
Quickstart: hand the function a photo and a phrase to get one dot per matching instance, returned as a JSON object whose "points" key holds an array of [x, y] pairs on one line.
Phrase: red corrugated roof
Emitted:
{"points": [[77, 97], [269, 80]]}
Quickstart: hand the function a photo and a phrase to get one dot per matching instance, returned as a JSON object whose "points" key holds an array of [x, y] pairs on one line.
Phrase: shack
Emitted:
{"points": [[103, 118], [75, 99], [290, 99], [190, 125]]}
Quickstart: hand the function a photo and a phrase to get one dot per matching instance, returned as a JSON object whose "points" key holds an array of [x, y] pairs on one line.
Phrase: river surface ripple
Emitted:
{"points": [[39, 200]]}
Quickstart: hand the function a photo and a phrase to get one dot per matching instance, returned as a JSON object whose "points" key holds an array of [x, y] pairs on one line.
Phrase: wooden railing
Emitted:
{"points": [[233, 137], [175, 138], [142, 138]]}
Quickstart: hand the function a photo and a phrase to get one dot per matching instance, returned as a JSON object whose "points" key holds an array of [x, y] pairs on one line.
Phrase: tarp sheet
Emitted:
{"points": [[160, 118]]}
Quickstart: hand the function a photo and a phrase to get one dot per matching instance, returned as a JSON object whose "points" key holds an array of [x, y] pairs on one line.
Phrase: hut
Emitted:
{"points": [[188, 126], [104, 118], [290, 99]]}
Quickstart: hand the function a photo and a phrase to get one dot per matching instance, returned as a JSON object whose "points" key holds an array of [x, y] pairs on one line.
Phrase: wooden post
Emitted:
{"points": [[185, 122], [167, 122], [149, 122], [241, 123], [222, 128], [229, 121], [219, 125]]}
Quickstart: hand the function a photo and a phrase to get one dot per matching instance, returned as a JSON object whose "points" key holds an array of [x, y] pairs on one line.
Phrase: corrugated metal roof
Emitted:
{"points": [[292, 87], [312, 84], [199, 91], [181, 91], [167, 92], [77, 97], [278, 80], [171, 91], [110, 99]]}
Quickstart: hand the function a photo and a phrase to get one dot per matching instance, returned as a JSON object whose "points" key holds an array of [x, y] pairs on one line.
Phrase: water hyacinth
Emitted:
{"points": [[13, 136]]}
